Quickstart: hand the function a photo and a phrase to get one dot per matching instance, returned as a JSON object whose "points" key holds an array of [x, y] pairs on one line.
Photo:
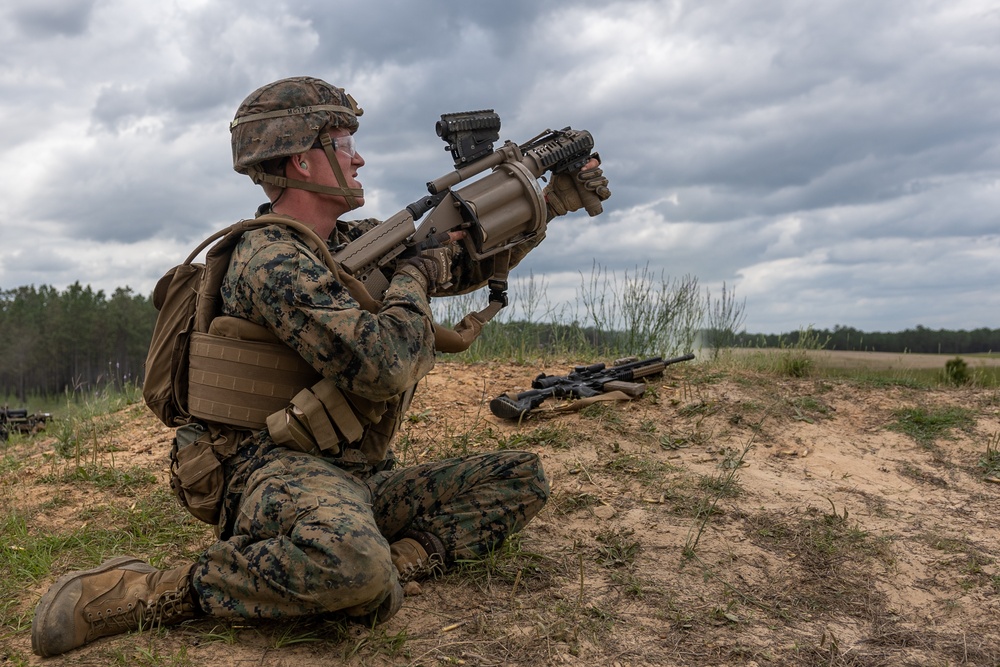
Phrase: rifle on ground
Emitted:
{"points": [[498, 211], [583, 382]]}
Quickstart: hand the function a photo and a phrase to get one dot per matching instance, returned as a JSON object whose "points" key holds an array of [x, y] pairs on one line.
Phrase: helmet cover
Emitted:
{"points": [[285, 118]]}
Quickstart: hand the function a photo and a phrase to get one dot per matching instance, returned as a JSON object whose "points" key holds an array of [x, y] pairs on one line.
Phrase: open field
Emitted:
{"points": [[880, 360], [731, 516]]}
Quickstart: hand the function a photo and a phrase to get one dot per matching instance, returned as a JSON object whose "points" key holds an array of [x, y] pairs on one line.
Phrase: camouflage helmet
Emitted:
{"points": [[285, 118]]}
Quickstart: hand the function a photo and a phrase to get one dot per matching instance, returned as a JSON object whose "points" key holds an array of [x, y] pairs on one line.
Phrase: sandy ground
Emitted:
{"points": [[728, 517]]}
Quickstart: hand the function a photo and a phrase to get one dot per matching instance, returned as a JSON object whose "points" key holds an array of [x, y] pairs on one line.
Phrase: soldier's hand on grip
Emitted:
{"points": [[568, 192], [434, 267]]}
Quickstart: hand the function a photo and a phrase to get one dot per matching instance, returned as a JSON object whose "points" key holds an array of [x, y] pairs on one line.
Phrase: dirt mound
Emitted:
{"points": [[726, 518]]}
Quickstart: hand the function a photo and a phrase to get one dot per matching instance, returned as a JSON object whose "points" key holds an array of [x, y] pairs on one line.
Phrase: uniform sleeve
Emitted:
{"points": [[281, 285]]}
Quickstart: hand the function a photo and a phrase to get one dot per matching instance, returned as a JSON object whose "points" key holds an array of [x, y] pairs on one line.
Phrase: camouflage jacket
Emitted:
{"points": [[276, 280]]}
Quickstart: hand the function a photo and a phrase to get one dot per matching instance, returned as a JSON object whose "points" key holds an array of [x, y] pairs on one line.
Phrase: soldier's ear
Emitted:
{"points": [[298, 163]]}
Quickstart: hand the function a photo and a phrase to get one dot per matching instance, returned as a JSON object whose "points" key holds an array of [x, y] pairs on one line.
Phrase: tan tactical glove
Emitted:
{"points": [[432, 267], [568, 192]]}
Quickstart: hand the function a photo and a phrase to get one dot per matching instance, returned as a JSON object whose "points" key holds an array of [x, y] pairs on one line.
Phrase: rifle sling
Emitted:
{"points": [[465, 332], [580, 404]]}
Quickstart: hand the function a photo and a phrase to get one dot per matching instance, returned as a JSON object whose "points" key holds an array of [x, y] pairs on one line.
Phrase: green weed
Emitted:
{"points": [[989, 462], [725, 484], [617, 547], [555, 437], [123, 481], [927, 425], [507, 562], [646, 471]]}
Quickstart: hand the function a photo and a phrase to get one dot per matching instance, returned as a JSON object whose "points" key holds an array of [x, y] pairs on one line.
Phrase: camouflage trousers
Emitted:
{"points": [[306, 537]]}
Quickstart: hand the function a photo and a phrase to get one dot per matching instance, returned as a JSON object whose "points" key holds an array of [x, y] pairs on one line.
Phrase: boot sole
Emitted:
{"points": [[42, 610]]}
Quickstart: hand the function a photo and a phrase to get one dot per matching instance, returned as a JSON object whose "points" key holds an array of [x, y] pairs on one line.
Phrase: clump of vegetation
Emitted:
{"points": [[956, 372], [796, 360], [617, 547]]}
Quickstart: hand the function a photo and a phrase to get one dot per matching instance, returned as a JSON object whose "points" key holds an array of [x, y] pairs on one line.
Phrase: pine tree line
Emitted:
{"points": [[919, 340], [52, 342]]}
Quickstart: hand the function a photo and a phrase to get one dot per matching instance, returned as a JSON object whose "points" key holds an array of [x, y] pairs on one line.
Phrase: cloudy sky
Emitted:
{"points": [[834, 161]]}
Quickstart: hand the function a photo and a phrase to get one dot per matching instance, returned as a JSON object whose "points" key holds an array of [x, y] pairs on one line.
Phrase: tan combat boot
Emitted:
{"points": [[121, 595], [412, 560]]}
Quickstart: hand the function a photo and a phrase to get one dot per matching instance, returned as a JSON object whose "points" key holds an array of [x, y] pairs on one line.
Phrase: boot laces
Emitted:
{"points": [[432, 566], [136, 615]]}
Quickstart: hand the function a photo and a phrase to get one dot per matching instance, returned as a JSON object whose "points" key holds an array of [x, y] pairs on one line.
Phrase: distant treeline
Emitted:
{"points": [[920, 340], [78, 339]]}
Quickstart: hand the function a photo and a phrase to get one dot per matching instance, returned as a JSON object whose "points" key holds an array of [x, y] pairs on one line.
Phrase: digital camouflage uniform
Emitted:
{"points": [[302, 534]]}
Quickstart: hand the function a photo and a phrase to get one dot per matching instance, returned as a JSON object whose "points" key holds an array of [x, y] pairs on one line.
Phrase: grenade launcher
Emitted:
{"points": [[498, 211]]}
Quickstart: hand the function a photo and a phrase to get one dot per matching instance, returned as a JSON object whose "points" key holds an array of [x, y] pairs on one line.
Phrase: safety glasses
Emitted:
{"points": [[344, 144]]}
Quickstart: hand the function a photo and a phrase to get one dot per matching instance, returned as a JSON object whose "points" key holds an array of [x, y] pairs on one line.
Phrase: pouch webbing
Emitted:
{"points": [[241, 382]]}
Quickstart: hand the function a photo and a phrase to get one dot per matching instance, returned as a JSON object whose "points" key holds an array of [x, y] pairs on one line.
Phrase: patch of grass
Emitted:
{"points": [[720, 486], [701, 408], [150, 654], [875, 379], [809, 408], [555, 437], [830, 560], [508, 563], [632, 585], [927, 425], [675, 441], [617, 547], [86, 418], [469, 441], [725, 484], [646, 471], [567, 503], [607, 416], [598, 620], [378, 641], [10, 465], [966, 561], [122, 481], [794, 359], [989, 462]]}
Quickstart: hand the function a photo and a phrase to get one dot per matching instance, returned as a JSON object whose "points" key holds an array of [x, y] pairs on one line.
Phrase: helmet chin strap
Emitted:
{"points": [[351, 195]]}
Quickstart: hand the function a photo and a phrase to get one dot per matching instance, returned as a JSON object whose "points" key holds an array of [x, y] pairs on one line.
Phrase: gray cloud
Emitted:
{"points": [[836, 162], [52, 18]]}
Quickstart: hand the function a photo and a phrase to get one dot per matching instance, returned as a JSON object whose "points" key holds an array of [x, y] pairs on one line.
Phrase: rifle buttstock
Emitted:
{"points": [[505, 408]]}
